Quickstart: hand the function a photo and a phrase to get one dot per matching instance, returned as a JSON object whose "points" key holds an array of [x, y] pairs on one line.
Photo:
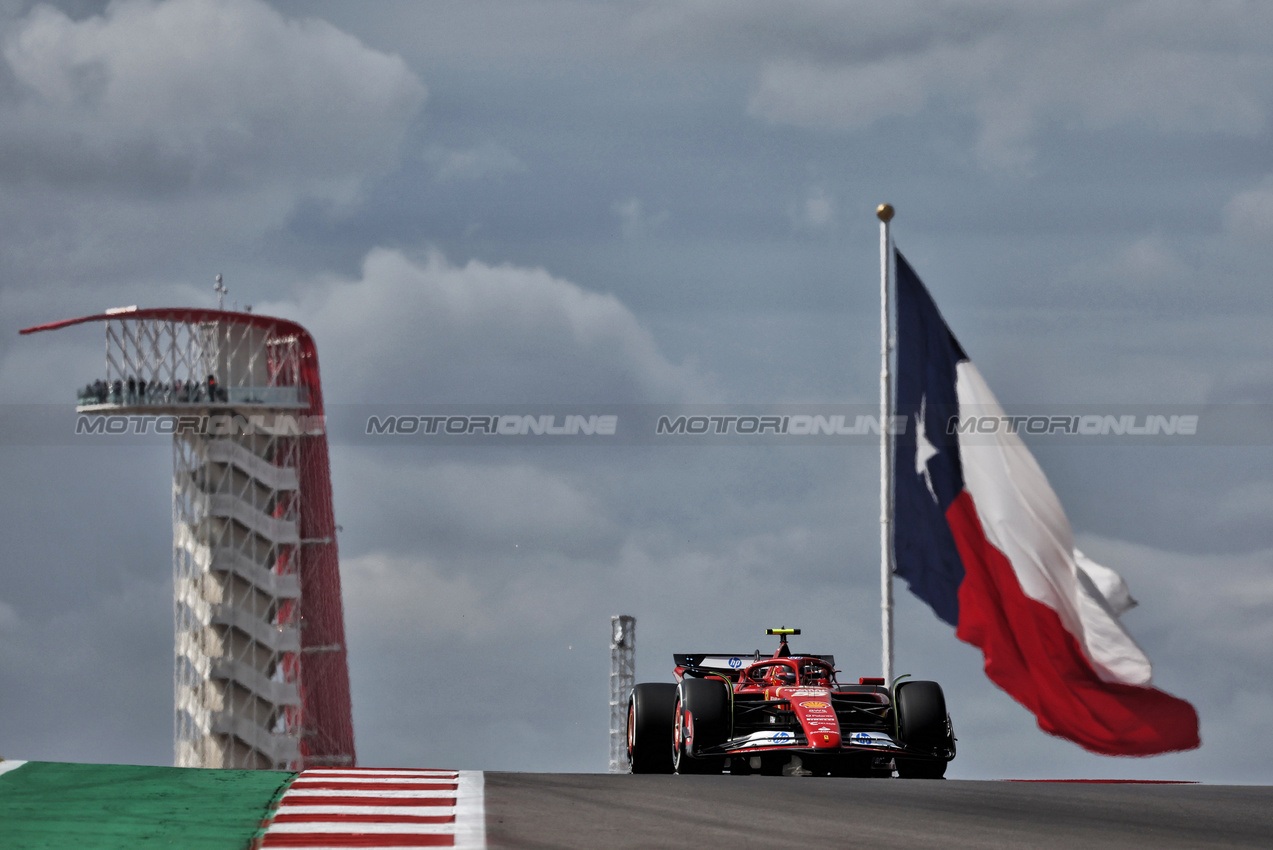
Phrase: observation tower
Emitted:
{"points": [[261, 677]]}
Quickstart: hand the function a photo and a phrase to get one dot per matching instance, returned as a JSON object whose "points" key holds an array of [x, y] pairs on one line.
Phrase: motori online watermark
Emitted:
{"points": [[505, 425], [805, 425], [794, 424], [203, 425], [1087, 425]]}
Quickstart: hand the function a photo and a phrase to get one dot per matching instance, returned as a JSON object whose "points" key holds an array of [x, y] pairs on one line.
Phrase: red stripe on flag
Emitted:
{"points": [[361, 818], [366, 801], [355, 839], [1030, 654]]}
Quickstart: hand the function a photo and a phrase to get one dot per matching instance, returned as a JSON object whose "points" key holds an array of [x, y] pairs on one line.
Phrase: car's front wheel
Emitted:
{"points": [[922, 723], [701, 720]]}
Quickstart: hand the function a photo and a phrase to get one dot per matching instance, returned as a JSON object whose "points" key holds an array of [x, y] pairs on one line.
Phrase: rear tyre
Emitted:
{"points": [[701, 721], [922, 723], [650, 719]]}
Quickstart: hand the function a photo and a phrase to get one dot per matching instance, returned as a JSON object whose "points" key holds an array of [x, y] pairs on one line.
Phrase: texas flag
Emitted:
{"points": [[980, 536]]}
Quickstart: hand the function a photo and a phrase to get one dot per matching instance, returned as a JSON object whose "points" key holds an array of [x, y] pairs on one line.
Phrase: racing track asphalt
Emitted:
{"points": [[596, 810]]}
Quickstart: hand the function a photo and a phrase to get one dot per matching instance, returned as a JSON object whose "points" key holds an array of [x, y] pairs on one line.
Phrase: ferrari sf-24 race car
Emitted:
{"points": [[786, 715]]}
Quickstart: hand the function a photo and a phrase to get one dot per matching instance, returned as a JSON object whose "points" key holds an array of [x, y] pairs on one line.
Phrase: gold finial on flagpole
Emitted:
{"points": [[884, 212]]}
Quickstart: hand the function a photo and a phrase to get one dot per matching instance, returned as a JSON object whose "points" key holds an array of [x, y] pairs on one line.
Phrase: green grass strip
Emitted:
{"points": [[52, 805]]}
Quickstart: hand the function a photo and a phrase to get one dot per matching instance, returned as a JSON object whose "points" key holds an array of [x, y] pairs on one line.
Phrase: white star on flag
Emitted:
{"points": [[924, 449]]}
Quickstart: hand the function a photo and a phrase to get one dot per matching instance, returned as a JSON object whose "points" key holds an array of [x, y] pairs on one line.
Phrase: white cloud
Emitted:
{"points": [[432, 331], [635, 223], [816, 212], [1248, 215], [1145, 266], [485, 160], [9, 619]]}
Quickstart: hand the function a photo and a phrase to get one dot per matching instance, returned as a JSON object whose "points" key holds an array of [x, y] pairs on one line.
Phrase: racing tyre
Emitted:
{"points": [[701, 720], [922, 723], [650, 718]]}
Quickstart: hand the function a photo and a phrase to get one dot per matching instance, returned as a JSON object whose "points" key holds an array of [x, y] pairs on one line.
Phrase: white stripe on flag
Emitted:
{"points": [[1022, 518]]}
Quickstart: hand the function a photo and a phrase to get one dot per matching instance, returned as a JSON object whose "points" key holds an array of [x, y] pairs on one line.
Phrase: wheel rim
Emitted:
{"points": [[676, 736], [631, 729]]}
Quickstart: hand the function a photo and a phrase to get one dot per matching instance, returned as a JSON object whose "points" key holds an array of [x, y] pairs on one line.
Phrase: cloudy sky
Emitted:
{"points": [[638, 204]]}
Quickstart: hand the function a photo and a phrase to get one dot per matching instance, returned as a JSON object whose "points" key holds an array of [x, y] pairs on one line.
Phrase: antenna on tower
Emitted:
{"points": [[220, 290]]}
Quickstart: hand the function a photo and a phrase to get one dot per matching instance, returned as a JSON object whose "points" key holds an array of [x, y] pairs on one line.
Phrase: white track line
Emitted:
{"points": [[344, 771], [316, 818], [424, 790], [470, 811], [414, 811], [7, 765]]}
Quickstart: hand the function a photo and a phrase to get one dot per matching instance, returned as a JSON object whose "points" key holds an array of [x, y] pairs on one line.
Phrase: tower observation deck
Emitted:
{"points": [[261, 676]]}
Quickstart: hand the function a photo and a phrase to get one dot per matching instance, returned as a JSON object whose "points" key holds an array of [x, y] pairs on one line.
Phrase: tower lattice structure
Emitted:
{"points": [[622, 679], [261, 678]]}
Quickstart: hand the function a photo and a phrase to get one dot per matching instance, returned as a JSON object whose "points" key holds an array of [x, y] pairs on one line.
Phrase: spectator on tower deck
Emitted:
{"points": [[214, 392], [117, 391], [132, 389]]}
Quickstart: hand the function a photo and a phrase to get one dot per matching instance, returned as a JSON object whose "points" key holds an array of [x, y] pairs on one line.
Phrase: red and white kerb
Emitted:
{"points": [[369, 808]]}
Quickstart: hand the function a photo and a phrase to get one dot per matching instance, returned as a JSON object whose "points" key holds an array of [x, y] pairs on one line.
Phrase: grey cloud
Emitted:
{"points": [[1066, 64], [475, 163], [187, 120]]}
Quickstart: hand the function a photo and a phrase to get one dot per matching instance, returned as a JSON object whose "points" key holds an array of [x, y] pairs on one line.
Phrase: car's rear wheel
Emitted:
{"points": [[922, 723], [650, 721], [701, 720]]}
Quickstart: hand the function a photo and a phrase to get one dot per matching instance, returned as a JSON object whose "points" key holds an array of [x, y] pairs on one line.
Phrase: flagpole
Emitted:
{"points": [[885, 214]]}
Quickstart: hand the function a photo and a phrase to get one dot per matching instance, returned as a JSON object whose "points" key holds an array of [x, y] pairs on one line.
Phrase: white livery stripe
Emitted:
{"points": [[371, 809]]}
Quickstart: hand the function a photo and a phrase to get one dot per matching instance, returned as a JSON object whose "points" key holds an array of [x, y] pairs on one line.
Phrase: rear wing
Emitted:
{"points": [[730, 664]]}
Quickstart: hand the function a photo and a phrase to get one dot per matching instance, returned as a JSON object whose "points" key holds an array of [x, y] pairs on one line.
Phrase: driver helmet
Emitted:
{"points": [[784, 675]]}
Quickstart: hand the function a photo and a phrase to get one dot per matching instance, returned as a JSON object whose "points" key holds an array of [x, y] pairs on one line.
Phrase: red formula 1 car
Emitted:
{"points": [[786, 715]]}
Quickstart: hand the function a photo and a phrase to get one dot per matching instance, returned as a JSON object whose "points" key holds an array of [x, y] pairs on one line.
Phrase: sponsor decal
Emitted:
{"points": [[810, 692], [782, 737], [815, 704], [735, 662], [868, 739]]}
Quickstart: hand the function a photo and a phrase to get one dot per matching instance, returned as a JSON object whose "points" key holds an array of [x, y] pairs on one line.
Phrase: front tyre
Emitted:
{"points": [[650, 719], [701, 720], [923, 724]]}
